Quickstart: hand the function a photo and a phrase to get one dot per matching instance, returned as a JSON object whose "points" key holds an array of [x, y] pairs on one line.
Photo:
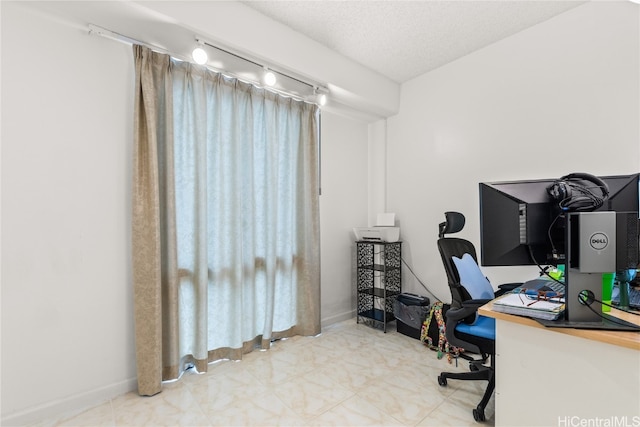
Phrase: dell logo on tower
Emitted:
{"points": [[599, 241]]}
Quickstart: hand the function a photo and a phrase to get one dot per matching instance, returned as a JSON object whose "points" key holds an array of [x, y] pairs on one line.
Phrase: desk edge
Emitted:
{"points": [[618, 338]]}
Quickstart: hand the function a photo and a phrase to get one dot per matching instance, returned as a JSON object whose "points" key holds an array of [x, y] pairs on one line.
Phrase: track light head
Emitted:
{"points": [[199, 55], [269, 78], [321, 96]]}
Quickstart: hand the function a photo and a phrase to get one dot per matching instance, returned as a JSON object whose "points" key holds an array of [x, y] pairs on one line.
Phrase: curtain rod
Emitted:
{"points": [[103, 32], [112, 35]]}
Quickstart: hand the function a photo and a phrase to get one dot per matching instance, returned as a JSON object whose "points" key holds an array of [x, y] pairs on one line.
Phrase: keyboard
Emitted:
{"points": [[634, 297], [542, 284], [555, 286]]}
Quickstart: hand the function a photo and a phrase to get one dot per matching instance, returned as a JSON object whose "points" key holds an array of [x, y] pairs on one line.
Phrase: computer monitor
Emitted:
{"points": [[624, 193], [515, 218], [521, 224], [519, 220]]}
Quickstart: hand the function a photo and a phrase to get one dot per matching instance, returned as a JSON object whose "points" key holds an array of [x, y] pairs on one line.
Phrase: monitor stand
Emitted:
{"points": [[583, 307]]}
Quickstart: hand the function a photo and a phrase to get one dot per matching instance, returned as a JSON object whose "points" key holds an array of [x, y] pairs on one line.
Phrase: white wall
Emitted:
{"points": [[343, 205], [560, 97], [377, 176], [67, 323], [67, 311]]}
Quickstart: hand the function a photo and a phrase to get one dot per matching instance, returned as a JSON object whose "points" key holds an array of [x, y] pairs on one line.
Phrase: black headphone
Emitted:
{"points": [[573, 194]]}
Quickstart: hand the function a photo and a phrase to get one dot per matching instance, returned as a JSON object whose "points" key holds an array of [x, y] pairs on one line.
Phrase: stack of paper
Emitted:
{"points": [[522, 305]]}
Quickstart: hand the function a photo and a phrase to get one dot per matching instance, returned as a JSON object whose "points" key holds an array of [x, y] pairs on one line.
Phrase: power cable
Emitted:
{"points": [[420, 281]]}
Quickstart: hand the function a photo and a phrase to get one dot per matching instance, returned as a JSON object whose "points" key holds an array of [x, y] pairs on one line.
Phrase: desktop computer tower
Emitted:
{"points": [[597, 242]]}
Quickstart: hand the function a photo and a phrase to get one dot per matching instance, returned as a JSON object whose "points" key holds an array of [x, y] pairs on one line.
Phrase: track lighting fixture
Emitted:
{"points": [[269, 78], [314, 92], [199, 54], [321, 96]]}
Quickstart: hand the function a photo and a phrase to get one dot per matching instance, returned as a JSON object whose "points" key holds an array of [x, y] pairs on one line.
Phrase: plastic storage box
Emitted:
{"points": [[410, 311]]}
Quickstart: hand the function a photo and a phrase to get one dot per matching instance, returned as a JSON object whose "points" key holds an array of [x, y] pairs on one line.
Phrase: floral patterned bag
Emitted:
{"points": [[433, 334]]}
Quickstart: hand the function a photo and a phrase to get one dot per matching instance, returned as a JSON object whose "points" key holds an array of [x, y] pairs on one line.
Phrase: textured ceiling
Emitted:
{"points": [[403, 39]]}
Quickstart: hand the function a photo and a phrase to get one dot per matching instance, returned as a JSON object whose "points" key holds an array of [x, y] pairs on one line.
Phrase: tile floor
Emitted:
{"points": [[350, 375]]}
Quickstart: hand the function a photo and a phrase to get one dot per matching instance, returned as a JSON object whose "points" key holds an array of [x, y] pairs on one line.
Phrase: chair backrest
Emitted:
{"points": [[450, 247], [456, 252]]}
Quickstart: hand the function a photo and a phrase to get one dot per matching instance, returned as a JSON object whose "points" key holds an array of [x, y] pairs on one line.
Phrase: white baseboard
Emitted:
{"points": [[338, 318], [70, 405]]}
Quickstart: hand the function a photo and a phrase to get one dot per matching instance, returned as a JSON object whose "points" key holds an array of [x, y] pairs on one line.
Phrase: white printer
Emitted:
{"points": [[383, 231]]}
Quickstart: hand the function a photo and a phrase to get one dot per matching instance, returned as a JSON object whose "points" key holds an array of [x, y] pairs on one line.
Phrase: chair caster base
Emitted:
{"points": [[442, 381], [478, 414]]}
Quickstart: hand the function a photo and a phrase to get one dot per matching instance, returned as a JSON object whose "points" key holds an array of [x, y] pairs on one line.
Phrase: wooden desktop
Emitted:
{"points": [[565, 377]]}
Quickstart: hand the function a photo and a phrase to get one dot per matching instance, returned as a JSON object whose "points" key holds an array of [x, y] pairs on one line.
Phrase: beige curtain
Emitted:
{"points": [[226, 218]]}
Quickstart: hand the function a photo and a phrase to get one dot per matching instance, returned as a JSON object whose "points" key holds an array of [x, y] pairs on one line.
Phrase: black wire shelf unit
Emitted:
{"points": [[378, 281]]}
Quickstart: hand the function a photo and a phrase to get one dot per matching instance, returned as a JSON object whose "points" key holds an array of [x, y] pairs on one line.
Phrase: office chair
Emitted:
{"points": [[470, 289]]}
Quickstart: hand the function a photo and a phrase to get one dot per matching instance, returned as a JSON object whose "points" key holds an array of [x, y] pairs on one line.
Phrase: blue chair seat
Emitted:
{"points": [[484, 327]]}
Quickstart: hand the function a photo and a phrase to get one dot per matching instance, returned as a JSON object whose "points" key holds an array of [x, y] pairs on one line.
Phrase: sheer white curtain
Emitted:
{"points": [[243, 220]]}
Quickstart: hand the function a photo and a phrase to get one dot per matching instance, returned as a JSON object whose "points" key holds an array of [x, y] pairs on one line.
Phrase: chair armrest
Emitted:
{"points": [[457, 315], [476, 303], [469, 308]]}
